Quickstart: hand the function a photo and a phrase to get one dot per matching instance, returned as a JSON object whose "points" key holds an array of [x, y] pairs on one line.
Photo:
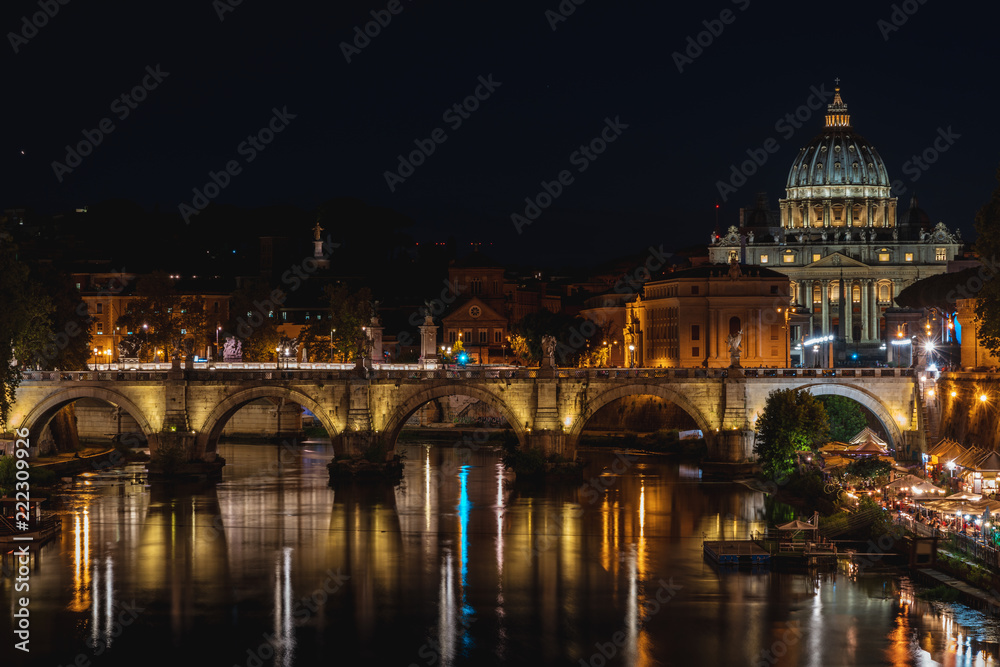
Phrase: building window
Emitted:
{"points": [[774, 289], [467, 336], [694, 289], [883, 257], [184, 331], [216, 308], [940, 254], [695, 332], [775, 331], [788, 259], [497, 335], [100, 328], [482, 337], [817, 256], [763, 259], [856, 293], [883, 292], [908, 257], [695, 352], [100, 308], [451, 336]]}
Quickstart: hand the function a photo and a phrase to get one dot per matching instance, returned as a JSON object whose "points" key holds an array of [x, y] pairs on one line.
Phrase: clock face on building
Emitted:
{"points": [[475, 311]]}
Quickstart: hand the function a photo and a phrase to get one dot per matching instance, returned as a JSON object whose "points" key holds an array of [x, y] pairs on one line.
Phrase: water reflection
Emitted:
{"points": [[455, 567]]}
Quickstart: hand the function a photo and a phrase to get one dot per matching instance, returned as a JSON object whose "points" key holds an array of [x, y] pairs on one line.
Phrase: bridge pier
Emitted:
{"points": [[732, 446], [551, 442]]}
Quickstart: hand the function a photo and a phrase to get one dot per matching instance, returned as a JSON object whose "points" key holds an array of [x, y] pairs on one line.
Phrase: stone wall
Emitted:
{"points": [[964, 417]]}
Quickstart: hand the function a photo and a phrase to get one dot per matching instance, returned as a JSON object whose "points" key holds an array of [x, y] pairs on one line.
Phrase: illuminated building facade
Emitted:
{"points": [[840, 241]]}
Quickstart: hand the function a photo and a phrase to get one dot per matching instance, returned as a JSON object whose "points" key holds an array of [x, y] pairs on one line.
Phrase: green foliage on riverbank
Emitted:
{"points": [[7, 471], [942, 593], [793, 420]]}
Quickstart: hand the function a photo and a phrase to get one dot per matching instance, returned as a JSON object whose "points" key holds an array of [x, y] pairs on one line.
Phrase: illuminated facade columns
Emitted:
{"points": [[847, 329], [824, 295]]}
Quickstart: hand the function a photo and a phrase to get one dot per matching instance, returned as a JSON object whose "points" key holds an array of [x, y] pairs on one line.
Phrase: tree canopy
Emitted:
{"points": [[988, 249], [793, 420], [578, 341], [25, 327], [341, 329], [845, 417]]}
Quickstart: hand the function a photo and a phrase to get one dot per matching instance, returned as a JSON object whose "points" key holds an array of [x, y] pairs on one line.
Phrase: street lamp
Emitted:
{"points": [[631, 356], [107, 354], [217, 330], [332, 331], [277, 358]]}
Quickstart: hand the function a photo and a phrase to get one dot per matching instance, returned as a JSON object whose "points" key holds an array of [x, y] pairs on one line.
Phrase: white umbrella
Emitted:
{"points": [[926, 487], [904, 482]]}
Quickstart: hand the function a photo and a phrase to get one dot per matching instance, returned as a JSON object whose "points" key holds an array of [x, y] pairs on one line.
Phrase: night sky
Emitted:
{"points": [[905, 85]]}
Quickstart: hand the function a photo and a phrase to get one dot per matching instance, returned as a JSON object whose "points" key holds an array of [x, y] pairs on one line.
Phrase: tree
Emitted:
{"points": [[988, 249], [571, 333], [845, 417], [347, 315], [25, 326], [68, 345], [151, 315], [256, 329], [793, 420]]}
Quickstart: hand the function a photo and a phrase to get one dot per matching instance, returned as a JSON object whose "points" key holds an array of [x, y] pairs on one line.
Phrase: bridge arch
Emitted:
{"points": [[395, 422], [207, 439], [40, 415], [666, 392], [865, 398]]}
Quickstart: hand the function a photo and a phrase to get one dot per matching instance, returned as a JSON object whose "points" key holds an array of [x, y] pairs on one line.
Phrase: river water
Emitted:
{"points": [[450, 567]]}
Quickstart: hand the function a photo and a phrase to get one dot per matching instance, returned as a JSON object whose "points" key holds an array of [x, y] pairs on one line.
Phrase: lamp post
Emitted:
{"points": [[95, 357], [217, 330], [332, 331], [107, 358], [631, 356], [277, 358]]}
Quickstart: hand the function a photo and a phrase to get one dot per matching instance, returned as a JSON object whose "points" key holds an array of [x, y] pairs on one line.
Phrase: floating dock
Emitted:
{"points": [[735, 552]]}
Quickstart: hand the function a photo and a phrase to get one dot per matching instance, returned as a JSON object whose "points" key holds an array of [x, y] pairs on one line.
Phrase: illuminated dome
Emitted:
{"points": [[838, 179], [838, 162]]}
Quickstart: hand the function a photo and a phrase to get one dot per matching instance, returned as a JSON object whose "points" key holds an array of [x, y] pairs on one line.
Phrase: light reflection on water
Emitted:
{"points": [[453, 566]]}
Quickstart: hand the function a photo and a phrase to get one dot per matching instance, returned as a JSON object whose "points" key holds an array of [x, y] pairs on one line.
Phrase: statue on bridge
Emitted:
{"points": [[232, 349], [733, 341], [548, 352], [129, 347]]}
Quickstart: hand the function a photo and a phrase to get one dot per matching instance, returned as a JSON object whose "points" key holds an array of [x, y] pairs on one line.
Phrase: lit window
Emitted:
{"points": [[883, 292], [940, 254], [763, 259], [100, 327], [908, 257], [788, 259], [184, 331], [883, 257], [856, 293], [817, 256]]}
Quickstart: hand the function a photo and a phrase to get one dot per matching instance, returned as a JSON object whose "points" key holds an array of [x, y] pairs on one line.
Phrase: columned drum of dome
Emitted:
{"points": [[838, 180]]}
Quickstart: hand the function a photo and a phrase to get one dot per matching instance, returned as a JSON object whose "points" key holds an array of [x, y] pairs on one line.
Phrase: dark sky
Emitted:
{"points": [[657, 183]]}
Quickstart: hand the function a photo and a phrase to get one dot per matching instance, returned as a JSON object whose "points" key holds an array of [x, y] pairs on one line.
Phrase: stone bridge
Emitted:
{"points": [[546, 409]]}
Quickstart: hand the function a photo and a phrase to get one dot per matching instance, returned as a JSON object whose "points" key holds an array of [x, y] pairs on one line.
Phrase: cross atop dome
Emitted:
{"points": [[836, 113]]}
